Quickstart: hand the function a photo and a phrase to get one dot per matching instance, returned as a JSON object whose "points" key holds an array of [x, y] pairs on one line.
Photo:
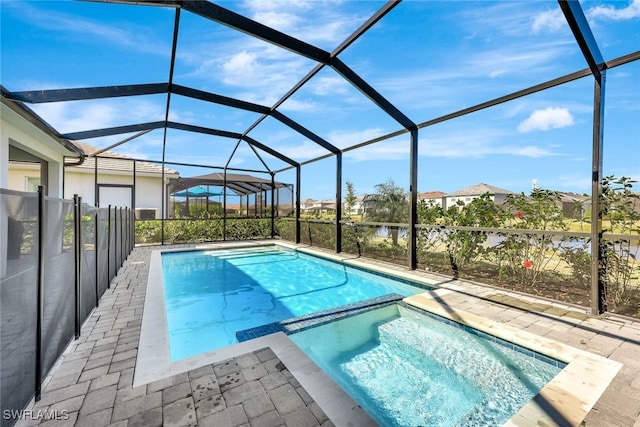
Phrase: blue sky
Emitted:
{"points": [[428, 58]]}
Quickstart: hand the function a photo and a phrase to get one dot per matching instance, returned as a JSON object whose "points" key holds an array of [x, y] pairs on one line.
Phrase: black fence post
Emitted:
{"points": [[95, 253], [77, 216], [132, 230], [127, 230], [121, 248], [125, 233], [273, 210], [109, 248], [115, 241], [40, 292]]}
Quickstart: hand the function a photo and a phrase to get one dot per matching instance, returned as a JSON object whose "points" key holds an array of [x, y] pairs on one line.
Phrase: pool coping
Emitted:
{"points": [[567, 397]]}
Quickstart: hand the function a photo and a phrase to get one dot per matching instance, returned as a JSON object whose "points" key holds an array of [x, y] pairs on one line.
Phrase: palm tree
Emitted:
{"points": [[388, 204]]}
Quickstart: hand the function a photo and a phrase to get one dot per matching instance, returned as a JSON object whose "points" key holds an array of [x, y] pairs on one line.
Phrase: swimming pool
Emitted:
{"points": [[211, 295], [411, 369]]}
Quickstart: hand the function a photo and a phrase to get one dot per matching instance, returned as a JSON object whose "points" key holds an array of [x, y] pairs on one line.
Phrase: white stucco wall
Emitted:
{"points": [[439, 201], [17, 131], [19, 173], [148, 188]]}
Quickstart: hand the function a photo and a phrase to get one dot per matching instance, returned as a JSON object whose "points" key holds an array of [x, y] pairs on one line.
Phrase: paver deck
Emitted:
{"points": [[92, 383]]}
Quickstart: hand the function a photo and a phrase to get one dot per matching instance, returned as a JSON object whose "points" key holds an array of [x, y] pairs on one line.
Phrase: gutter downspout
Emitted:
{"points": [[78, 162]]}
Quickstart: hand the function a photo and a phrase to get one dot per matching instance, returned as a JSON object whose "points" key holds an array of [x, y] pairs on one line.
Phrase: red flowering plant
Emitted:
{"points": [[530, 254]]}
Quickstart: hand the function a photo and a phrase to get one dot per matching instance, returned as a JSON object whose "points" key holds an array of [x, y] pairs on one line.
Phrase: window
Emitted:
{"points": [[32, 183]]}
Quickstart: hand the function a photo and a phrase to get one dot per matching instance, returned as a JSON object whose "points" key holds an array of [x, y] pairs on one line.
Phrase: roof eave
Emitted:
{"points": [[30, 116]]}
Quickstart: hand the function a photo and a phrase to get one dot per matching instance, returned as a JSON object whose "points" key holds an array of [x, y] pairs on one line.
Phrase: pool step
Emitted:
{"points": [[483, 365], [402, 377], [431, 342], [247, 254]]}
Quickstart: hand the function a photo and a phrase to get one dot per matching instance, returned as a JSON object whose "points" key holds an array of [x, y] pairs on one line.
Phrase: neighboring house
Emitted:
{"points": [[466, 195], [116, 182], [307, 204], [574, 205], [312, 206], [433, 198], [360, 205]]}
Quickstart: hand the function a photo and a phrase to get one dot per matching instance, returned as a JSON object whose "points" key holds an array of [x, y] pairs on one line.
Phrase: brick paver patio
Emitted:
{"points": [[92, 383]]}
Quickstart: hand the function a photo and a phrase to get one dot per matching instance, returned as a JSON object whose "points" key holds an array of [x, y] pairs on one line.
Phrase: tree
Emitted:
{"points": [[388, 204], [350, 199], [527, 256], [619, 265]]}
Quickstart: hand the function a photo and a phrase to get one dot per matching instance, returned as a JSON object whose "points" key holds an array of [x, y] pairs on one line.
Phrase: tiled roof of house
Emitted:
{"points": [[431, 195], [110, 160], [480, 189]]}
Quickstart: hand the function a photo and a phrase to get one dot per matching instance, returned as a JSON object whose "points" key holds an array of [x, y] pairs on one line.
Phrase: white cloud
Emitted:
{"points": [[298, 105], [68, 117], [549, 118], [451, 86], [123, 33], [550, 20], [280, 21], [478, 142], [313, 22], [257, 72], [516, 58], [64, 118], [242, 63], [306, 150], [386, 150], [632, 11], [526, 151], [328, 85], [443, 148], [348, 138], [575, 182]]}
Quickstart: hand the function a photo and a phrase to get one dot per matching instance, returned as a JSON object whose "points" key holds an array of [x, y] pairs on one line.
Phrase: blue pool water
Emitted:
{"points": [[410, 369], [211, 295]]}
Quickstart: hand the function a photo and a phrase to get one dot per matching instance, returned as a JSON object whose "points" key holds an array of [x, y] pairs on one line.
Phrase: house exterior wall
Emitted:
{"points": [[496, 198], [149, 189], [17, 131], [148, 195], [437, 201], [19, 173], [356, 209], [451, 201]]}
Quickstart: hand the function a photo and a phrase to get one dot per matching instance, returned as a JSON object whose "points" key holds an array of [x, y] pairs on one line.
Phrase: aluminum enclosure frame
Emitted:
{"points": [[571, 10]]}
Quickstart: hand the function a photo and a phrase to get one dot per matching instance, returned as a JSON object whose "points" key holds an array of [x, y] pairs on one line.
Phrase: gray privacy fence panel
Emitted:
{"points": [[18, 304], [112, 244], [102, 246], [88, 261], [59, 281]]}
